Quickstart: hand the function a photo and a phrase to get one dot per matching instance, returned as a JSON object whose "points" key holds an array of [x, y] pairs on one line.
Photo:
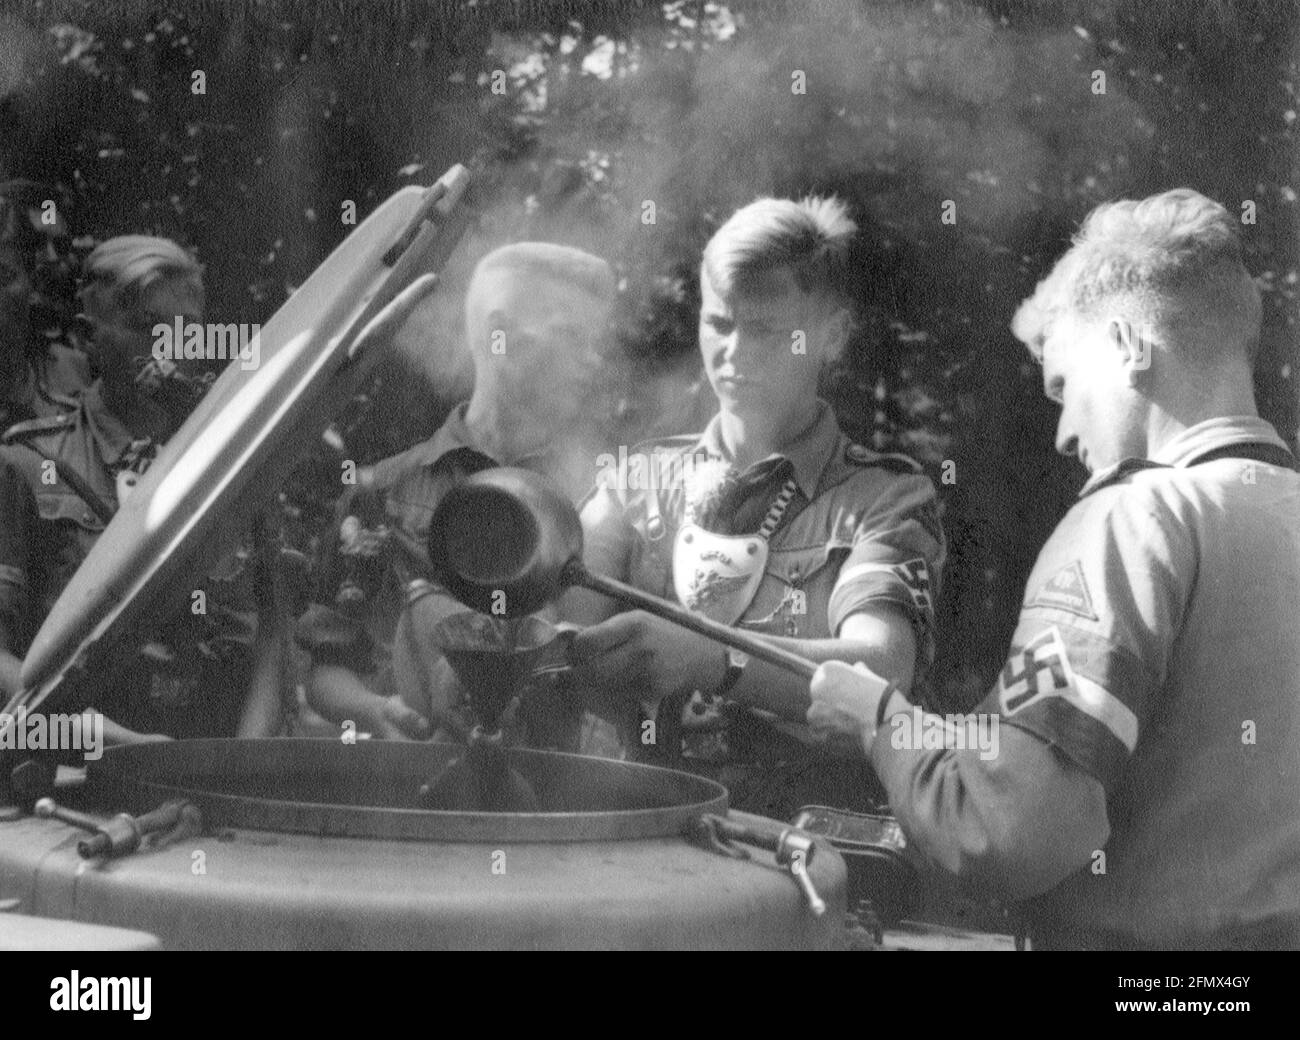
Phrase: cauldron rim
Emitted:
{"points": [[139, 777]]}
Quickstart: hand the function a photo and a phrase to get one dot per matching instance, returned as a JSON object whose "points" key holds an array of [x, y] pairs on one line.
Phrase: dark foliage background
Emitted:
{"points": [[689, 105]]}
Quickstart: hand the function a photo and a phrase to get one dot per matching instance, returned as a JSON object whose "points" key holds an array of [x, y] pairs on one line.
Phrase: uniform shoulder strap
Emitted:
{"points": [[891, 461], [1125, 468], [20, 431], [1258, 451]]}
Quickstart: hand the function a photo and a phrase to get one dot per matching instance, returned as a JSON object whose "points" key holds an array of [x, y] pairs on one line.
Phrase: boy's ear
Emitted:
{"points": [[1134, 343]]}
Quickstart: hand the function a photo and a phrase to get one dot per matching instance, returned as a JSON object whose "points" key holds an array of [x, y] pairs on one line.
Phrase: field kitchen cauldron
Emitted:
{"points": [[290, 844]]}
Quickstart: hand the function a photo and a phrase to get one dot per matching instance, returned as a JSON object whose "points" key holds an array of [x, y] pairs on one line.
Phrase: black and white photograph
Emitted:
{"points": [[685, 475]]}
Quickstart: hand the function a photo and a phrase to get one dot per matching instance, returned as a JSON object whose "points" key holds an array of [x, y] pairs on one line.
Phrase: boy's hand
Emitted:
{"points": [[846, 702], [397, 721], [642, 657]]}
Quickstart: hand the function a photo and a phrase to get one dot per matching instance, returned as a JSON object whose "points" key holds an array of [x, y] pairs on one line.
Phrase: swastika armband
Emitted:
{"points": [[1040, 690]]}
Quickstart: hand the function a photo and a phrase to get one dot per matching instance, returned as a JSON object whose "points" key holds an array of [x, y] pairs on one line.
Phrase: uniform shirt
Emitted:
{"points": [[71, 426], [1156, 651], [19, 586], [862, 528], [185, 683]]}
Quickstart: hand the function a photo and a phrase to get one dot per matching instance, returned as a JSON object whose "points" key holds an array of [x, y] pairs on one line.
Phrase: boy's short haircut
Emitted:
{"points": [[1173, 261], [563, 263], [121, 269], [811, 236]]}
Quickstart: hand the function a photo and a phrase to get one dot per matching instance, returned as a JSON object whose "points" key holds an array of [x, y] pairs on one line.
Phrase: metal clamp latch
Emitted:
{"points": [[792, 848], [124, 833]]}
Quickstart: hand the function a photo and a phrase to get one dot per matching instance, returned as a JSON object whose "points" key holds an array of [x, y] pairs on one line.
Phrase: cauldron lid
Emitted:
{"points": [[370, 790], [229, 456]]}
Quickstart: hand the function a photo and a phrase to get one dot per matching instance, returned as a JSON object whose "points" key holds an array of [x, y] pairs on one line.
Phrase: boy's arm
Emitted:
{"points": [[658, 659], [1017, 817], [263, 714], [879, 635], [340, 695]]}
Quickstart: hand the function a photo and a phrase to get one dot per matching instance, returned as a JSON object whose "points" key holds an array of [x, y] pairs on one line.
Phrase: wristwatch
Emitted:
{"points": [[736, 662]]}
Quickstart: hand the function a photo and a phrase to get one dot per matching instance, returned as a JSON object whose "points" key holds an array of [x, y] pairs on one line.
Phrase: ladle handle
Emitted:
{"points": [[755, 646]]}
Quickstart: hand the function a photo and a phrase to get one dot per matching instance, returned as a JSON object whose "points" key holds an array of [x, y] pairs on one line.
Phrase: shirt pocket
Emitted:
{"points": [[793, 596]]}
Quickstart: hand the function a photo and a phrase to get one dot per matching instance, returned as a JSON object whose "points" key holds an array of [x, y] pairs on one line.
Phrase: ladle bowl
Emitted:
{"points": [[503, 540]]}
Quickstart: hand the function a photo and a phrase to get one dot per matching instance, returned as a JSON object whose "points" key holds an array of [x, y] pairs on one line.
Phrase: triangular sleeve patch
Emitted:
{"points": [[1067, 590]]}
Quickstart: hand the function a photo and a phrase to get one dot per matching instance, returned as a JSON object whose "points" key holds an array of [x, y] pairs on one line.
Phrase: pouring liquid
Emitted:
{"points": [[493, 657]]}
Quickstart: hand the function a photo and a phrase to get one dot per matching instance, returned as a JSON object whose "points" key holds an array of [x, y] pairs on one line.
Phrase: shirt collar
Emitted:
{"points": [[1212, 434], [808, 453], [1195, 441]]}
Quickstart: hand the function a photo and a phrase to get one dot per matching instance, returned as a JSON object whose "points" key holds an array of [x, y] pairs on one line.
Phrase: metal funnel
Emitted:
{"points": [[495, 657]]}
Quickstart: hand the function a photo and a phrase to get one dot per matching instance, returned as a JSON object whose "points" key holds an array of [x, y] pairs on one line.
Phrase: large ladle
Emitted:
{"points": [[506, 542]]}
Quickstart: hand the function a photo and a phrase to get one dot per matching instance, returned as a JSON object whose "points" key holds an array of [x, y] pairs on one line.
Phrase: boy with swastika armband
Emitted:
{"points": [[1146, 791], [770, 520]]}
